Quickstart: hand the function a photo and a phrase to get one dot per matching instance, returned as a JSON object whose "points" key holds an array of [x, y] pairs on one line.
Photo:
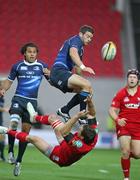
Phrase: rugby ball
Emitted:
{"points": [[108, 51]]}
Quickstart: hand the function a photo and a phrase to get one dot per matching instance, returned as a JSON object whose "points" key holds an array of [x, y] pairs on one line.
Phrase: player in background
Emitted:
{"points": [[29, 73], [2, 137], [61, 76], [125, 110], [72, 146]]}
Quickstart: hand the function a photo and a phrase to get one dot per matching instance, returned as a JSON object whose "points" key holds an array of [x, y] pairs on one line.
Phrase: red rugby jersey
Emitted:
{"points": [[69, 153], [129, 105]]}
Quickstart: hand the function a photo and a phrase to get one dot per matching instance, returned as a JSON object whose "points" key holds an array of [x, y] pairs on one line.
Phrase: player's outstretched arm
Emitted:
{"points": [[91, 107], [4, 86], [76, 59], [46, 72], [66, 128]]}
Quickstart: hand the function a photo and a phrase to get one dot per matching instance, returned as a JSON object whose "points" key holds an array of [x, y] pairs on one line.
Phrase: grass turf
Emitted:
{"points": [[97, 165]]}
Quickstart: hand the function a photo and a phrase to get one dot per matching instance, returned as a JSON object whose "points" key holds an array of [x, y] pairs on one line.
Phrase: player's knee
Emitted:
{"points": [[52, 118], [136, 155], [87, 86], [31, 139], [125, 153]]}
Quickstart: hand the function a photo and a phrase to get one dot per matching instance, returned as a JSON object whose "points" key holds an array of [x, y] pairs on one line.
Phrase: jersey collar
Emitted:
{"points": [[30, 64]]}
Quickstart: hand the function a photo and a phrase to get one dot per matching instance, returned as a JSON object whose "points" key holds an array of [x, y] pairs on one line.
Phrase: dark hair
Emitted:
{"points": [[85, 28], [24, 48], [88, 133], [133, 71]]}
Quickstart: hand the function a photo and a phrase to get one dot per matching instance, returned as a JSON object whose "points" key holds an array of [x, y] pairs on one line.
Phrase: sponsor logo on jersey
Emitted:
{"points": [[30, 72], [132, 106], [77, 143], [36, 68], [126, 99], [23, 68]]}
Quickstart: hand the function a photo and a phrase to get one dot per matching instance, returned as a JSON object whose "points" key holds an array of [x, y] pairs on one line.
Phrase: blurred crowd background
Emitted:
{"points": [[49, 22]]}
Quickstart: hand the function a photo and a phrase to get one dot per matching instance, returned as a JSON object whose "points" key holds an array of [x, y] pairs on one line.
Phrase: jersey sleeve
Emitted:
{"points": [[68, 137], [47, 77], [44, 65], [1, 102], [116, 101], [75, 43], [13, 73]]}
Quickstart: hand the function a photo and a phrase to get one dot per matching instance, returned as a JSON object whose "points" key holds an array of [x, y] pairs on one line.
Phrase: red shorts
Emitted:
{"points": [[56, 156], [130, 129], [62, 155]]}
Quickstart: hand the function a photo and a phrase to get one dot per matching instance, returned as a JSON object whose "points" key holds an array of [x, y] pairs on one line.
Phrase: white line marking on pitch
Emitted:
{"points": [[103, 171]]}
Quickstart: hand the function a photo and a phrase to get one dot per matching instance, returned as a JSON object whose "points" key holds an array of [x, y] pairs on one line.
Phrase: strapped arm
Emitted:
{"points": [[91, 107], [66, 128]]}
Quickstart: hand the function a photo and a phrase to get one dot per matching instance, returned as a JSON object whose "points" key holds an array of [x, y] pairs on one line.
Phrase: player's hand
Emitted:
{"points": [[121, 121], [6, 109], [2, 92], [89, 70], [46, 72], [82, 114], [89, 98]]}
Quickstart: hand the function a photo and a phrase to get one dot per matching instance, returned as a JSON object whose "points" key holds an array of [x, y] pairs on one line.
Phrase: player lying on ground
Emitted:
{"points": [[72, 147]]}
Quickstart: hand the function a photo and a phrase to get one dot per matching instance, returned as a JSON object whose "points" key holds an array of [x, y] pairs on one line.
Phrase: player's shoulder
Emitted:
{"points": [[18, 63], [42, 63], [75, 38], [76, 42], [138, 90], [121, 92]]}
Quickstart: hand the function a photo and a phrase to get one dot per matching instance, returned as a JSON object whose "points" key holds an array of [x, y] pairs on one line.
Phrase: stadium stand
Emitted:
{"points": [[49, 23]]}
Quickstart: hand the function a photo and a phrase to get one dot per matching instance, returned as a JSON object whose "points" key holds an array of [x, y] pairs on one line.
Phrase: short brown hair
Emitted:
{"points": [[85, 28], [133, 71], [24, 48], [88, 133]]}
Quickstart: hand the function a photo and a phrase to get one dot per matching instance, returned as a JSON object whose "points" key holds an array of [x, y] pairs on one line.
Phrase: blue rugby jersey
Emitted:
{"points": [[29, 77], [63, 58]]}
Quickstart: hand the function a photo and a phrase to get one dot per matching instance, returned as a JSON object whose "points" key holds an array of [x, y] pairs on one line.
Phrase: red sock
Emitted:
{"points": [[125, 167], [42, 119], [21, 136], [12, 133]]}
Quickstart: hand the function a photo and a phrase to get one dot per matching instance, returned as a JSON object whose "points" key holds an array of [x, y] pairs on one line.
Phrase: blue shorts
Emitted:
{"points": [[59, 78], [19, 106], [1, 120]]}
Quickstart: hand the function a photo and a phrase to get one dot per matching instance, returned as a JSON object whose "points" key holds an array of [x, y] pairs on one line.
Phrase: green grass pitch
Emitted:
{"points": [[97, 165]]}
